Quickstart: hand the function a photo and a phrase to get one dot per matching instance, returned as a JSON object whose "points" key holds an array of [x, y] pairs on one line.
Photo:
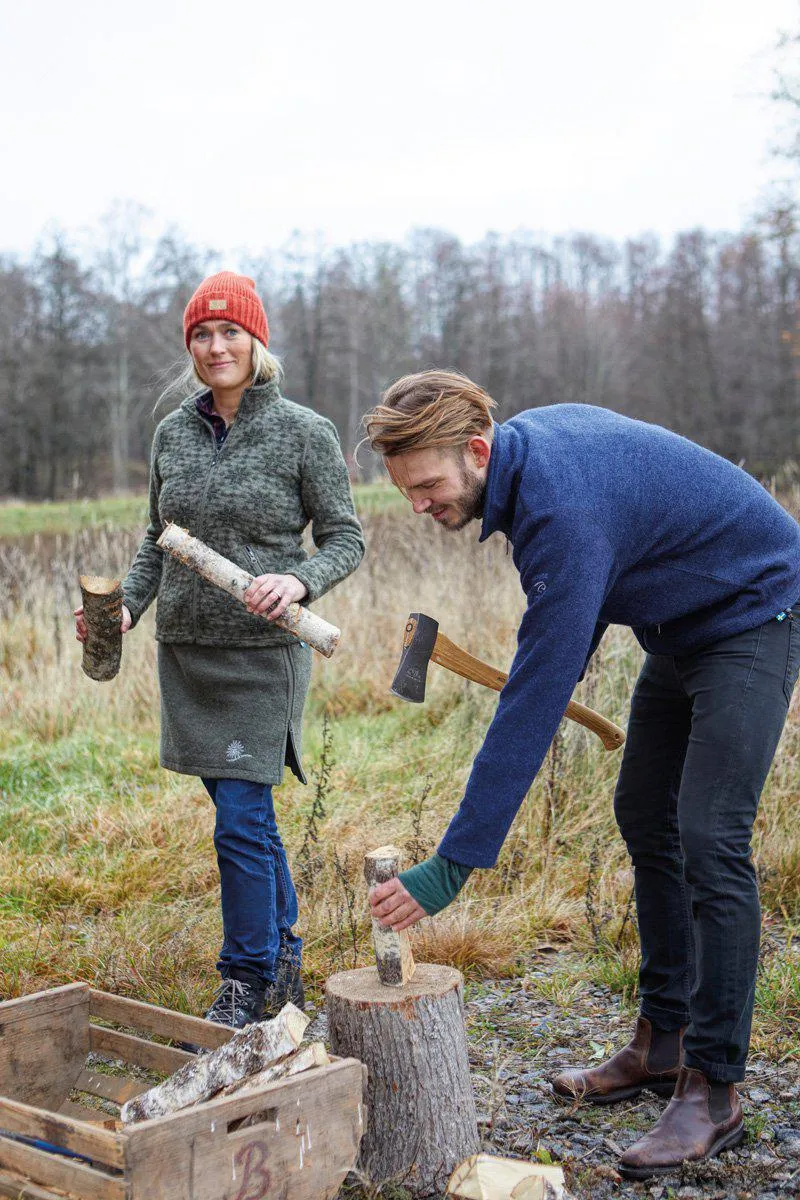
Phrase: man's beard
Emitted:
{"points": [[470, 503]]}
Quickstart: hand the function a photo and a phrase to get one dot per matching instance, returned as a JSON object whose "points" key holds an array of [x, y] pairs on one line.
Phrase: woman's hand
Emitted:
{"points": [[270, 595], [80, 624], [394, 906]]}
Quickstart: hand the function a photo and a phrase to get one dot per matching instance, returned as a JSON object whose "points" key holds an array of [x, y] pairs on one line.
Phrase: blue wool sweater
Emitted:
{"points": [[612, 521]]}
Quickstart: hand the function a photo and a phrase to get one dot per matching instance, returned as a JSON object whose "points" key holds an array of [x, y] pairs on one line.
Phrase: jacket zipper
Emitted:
{"points": [[253, 560], [201, 518]]}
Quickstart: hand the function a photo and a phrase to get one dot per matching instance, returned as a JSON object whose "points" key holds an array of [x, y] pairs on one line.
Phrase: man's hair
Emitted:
{"points": [[429, 409]]}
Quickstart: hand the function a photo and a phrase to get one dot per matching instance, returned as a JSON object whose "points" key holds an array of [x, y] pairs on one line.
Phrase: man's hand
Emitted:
{"points": [[80, 622], [270, 595], [394, 906]]}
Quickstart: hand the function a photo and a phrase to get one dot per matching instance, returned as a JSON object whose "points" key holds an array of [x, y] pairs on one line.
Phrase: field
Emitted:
{"points": [[106, 864]]}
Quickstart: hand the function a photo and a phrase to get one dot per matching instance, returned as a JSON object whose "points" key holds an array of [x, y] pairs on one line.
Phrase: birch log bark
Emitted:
{"points": [[197, 556]]}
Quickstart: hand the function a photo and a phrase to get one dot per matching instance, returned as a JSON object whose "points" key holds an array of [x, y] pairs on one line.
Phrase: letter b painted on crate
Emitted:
{"points": [[251, 1160]]}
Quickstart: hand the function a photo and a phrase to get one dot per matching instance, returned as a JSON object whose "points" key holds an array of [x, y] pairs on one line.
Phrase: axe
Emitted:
{"points": [[422, 643]]}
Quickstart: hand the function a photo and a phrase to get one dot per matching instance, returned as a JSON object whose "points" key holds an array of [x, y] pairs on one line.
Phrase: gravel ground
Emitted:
{"points": [[518, 1040], [522, 1031]]}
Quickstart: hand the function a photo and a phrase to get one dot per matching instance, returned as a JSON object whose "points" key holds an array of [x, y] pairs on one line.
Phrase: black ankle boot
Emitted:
{"points": [[239, 1001], [288, 985]]}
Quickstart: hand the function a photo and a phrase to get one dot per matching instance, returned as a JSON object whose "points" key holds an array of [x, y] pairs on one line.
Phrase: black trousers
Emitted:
{"points": [[703, 731]]}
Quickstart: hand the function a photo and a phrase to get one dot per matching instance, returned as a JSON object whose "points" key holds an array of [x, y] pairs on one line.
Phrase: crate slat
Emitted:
{"points": [[148, 1018], [44, 1040], [15, 1187], [54, 1171], [116, 1088], [63, 1130], [82, 1112], [150, 1055]]}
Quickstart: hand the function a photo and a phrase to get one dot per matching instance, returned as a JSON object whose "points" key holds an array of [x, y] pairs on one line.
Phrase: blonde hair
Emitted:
{"points": [[429, 409], [182, 378]]}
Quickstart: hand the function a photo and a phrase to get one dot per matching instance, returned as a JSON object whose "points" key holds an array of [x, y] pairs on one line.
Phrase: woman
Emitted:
{"points": [[244, 469]]}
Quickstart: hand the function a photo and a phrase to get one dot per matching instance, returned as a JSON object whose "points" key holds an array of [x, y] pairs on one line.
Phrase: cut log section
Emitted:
{"points": [[422, 1119], [484, 1177], [214, 568], [392, 950], [102, 611], [249, 1051]]}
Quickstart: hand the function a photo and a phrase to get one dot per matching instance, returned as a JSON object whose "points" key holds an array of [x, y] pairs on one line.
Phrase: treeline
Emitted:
{"points": [[700, 335]]}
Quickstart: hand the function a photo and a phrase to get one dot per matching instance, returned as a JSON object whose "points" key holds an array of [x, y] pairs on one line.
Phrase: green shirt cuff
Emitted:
{"points": [[435, 883]]}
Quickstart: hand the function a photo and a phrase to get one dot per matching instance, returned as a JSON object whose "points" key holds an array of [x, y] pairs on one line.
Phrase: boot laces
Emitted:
{"points": [[229, 996]]}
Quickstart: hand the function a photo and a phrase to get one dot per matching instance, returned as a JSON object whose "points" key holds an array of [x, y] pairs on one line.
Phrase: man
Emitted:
{"points": [[616, 521]]}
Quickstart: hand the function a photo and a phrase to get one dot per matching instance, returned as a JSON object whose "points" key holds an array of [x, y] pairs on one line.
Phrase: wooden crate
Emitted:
{"points": [[302, 1142]]}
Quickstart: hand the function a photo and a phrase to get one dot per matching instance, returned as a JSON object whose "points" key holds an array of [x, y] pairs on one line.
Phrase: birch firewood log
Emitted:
{"points": [[393, 955], [485, 1177], [250, 1050], [215, 568], [102, 611], [312, 1055]]}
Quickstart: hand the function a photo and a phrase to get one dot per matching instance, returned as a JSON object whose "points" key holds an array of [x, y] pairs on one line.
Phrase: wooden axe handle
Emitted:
{"points": [[447, 654]]}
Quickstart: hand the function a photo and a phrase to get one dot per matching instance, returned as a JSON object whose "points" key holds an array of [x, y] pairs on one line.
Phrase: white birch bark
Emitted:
{"points": [[393, 954], [215, 568], [249, 1051]]}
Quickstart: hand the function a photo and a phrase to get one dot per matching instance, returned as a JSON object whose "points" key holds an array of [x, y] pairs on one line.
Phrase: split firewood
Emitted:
{"points": [[393, 955], [214, 568], [249, 1051], [484, 1177], [313, 1055], [102, 611]]}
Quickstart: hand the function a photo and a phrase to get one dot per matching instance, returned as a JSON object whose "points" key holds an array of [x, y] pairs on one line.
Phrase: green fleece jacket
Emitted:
{"points": [[280, 467]]}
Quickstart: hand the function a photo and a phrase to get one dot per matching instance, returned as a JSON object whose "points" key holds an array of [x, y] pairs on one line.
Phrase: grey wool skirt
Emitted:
{"points": [[230, 713]]}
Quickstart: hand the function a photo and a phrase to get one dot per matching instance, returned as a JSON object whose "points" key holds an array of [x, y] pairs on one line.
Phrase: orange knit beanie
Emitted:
{"points": [[227, 297]]}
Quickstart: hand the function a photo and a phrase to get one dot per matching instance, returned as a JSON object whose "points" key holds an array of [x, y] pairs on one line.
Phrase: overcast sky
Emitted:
{"points": [[240, 122]]}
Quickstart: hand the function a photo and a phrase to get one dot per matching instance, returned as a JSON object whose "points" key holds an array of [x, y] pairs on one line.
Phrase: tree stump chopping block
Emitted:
{"points": [[421, 1112], [102, 611]]}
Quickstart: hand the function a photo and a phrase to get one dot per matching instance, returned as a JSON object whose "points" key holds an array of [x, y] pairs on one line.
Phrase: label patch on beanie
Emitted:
{"points": [[213, 305]]}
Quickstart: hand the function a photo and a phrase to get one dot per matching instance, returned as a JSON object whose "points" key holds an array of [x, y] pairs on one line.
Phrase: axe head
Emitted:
{"points": [[419, 640]]}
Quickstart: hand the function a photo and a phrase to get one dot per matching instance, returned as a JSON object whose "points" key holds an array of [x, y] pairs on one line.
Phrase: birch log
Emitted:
{"points": [[102, 611], [312, 1055], [422, 1121], [485, 1177], [214, 568], [250, 1050], [392, 950]]}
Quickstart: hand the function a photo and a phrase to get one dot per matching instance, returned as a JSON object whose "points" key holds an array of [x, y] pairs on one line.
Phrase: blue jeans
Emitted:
{"points": [[259, 903], [703, 731]]}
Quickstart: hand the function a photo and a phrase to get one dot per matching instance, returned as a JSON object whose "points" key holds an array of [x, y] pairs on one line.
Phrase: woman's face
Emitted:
{"points": [[222, 354]]}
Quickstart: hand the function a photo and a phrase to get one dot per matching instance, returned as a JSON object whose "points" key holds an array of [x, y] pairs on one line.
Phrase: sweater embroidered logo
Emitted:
{"points": [[214, 305], [235, 751]]}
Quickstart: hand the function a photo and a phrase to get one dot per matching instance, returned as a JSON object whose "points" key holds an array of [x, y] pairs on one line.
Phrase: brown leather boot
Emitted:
{"points": [[641, 1064], [698, 1123]]}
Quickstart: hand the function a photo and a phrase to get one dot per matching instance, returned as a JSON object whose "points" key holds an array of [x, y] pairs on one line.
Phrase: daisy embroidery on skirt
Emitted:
{"points": [[235, 751]]}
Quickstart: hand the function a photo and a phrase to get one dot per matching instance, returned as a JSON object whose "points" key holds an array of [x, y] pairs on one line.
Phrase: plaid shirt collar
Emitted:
{"points": [[205, 405]]}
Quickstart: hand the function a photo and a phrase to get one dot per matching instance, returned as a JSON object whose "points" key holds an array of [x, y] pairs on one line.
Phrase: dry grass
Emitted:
{"points": [[106, 862]]}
